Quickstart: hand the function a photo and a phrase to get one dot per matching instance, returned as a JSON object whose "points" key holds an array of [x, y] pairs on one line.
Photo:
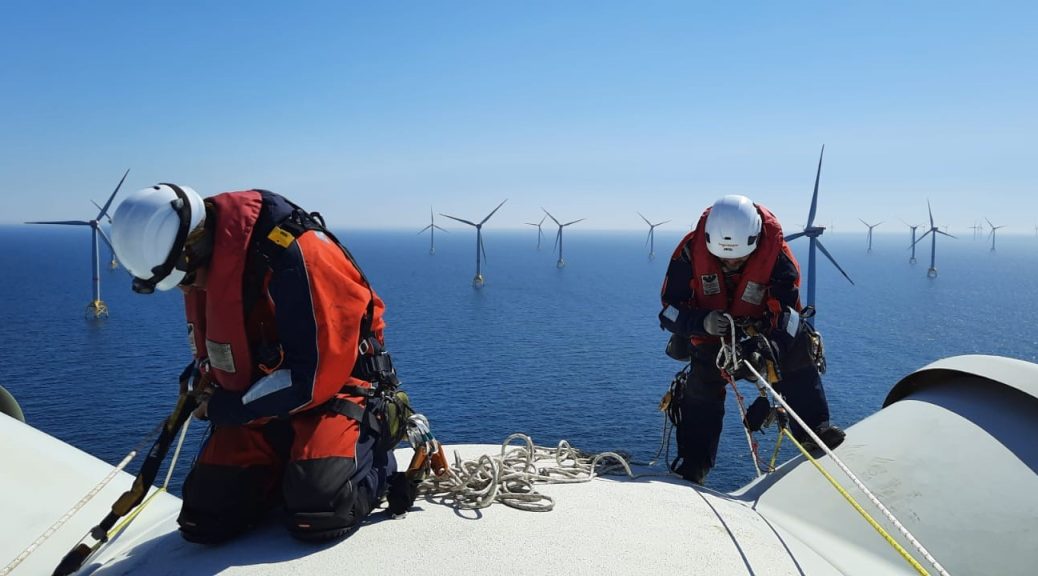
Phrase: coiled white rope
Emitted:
{"points": [[510, 477], [762, 381]]}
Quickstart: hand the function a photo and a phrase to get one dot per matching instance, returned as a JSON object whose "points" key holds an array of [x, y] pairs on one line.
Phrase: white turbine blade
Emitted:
{"points": [[574, 221], [831, 259], [794, 236], [920, 239], [424, 229], [104, 210], [458, 219], [494, 210], [814, 197], [550, 216], [648, 236], [945, 233], [105, 238], [660, 223], [68, 222], [930, 211], [441, 229], [644, 218]]}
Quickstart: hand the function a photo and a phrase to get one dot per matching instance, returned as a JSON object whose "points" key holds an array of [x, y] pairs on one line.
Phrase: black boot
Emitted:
{"points": [[832, 436]]}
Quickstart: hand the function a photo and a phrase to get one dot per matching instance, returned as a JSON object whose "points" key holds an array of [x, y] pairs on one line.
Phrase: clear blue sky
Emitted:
{"points": [[370, 112]]}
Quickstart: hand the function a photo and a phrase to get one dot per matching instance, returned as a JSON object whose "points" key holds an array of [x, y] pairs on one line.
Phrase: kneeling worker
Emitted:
{"points": [[287, 331]]}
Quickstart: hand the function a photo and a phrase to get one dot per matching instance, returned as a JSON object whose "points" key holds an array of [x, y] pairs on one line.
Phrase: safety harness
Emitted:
{"points": [[388, 408]]}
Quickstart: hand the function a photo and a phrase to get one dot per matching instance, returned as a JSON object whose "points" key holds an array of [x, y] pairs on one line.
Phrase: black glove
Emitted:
{"points": [[715, 323], [757, 414]]}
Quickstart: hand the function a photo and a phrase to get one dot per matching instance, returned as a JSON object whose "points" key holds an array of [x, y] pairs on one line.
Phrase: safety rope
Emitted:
{"points": [[761, 381], [850, 499], [79, 504], [510, 477], [97, 489]]}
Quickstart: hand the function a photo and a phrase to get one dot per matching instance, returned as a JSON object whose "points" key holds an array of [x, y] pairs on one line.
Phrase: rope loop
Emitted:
{"points": [[511, 477]]}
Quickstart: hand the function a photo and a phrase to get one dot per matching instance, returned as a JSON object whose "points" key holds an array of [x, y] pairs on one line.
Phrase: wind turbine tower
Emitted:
{"points": [[96, 308], [911, 259], [558, 236], [871, 226], [993, 229], [813, 233], [481, 253], [540, 233], [932, 272], [975, 228], [115, 262], [432, 228], [651, 240]]}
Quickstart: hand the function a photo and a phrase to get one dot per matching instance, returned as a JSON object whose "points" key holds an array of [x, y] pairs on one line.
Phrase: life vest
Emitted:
{"points": [[216, 317], [707, 284]]}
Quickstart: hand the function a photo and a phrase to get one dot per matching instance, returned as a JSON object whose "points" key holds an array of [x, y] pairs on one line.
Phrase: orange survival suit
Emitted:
{"points": [[278, 325]]}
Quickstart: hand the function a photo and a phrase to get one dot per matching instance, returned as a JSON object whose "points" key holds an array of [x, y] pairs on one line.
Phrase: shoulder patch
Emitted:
{"points": [[754, 293], [711, 284]]}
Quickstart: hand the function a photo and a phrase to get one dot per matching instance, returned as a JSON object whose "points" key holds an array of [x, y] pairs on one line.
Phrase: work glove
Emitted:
{"points": [[715, 323], [757, 414]]}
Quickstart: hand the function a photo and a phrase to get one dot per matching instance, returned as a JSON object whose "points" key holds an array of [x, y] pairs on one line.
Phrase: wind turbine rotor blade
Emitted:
{"points": [[482, 249], [644, 218], [543, 218], [920, 239], [109, 218], [441, 229], [794, 236], [105, 238], [104, 210], [833, 260], [67, 222], [648, 236], [930, 211], [574, 222], [864, 222], [424, 229], [458, 219], [494, 210], [660, 223], [558, 237], [989, 223], [814, 197], [550, 216], [945, 233]]}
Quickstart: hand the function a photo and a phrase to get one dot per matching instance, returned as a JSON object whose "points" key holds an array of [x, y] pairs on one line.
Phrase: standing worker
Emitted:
{"points": [[286, 333], [736, 261]]}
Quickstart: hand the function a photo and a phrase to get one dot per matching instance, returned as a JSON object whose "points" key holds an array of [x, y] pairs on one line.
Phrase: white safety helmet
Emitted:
{"points": [[732, 227], [149, 230]]}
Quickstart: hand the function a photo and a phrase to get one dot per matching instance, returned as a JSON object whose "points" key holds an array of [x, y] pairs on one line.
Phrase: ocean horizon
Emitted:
{"points": [[571, 354]]}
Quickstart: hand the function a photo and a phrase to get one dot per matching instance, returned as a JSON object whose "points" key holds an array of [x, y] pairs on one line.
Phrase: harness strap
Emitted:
{"points": [[346, 408]]}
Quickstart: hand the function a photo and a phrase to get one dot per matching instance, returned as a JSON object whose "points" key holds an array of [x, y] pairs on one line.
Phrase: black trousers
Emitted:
{"points": [[702, 408]]}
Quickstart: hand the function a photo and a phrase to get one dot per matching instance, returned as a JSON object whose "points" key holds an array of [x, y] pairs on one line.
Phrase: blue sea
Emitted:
{"points": [[570, 354]]}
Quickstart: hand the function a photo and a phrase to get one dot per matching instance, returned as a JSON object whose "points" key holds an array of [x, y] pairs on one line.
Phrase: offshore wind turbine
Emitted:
{"points": [[813, 233], [558, 236], [115, 262], [975, 228], [871, 226], [540, 233], [432, 228], [911, 259], [993, 229], [932, 272], [651, 240], [481, 253], [96, 308]]}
